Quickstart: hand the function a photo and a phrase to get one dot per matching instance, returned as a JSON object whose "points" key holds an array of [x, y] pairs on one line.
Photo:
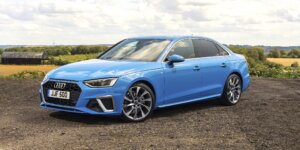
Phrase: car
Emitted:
{"points": [[138, 75]]}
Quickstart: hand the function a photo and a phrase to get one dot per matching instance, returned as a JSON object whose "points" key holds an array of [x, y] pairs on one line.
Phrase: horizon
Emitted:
{"points": [[116, 42], [85, 22]]}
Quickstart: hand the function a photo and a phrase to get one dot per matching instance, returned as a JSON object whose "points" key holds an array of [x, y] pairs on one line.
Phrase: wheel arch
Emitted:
{"points": [[238, 74], [148, 84]]}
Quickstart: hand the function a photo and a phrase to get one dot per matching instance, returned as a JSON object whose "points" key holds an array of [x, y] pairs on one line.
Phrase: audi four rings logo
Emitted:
{"points": [[59, 85]]}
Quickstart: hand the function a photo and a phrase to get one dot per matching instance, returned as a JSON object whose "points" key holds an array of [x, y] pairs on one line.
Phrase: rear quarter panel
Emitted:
{"points": [[239, 65]]}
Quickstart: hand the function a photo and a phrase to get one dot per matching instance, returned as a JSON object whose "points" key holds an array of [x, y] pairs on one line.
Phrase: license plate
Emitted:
{"points": [[59, 94]]}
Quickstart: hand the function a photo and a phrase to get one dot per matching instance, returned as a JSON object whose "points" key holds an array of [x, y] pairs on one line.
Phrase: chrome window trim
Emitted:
{"points": [[192, 38]]}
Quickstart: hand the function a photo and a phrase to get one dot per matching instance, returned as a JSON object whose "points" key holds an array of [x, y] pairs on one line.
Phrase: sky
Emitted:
{"points": [[74, 22]]}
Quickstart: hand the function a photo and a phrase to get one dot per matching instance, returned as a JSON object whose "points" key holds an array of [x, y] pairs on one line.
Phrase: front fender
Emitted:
{"points": [[154, 77]]}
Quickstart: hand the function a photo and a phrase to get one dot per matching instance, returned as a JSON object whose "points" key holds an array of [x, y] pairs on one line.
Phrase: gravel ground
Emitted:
{"points": [[267, 117]]}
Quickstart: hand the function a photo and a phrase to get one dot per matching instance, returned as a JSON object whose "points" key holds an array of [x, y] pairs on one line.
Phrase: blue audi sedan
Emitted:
{"points": [[138, 75]]}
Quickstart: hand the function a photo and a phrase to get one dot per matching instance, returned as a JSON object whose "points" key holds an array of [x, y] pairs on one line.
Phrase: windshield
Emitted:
{"points": [[137, 49]]}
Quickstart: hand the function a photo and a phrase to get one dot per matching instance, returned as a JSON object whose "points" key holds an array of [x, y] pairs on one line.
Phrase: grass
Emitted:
{"points": [[284, 61], [6, 70]]}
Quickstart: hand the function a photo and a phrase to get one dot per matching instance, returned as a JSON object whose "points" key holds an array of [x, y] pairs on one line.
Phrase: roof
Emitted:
{"points": [[29, 55], [169, 37]]}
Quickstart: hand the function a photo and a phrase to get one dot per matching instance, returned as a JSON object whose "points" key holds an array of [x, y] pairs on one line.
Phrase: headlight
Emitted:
{"points": [[97, 83]]}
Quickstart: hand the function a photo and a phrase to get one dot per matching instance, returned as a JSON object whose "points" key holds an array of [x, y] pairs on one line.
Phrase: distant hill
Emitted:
{"points": [[9, 46], [12, 46], [266, 48]]}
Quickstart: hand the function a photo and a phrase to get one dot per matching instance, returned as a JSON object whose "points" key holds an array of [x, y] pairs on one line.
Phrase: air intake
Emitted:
{"points": [[102, 104]]}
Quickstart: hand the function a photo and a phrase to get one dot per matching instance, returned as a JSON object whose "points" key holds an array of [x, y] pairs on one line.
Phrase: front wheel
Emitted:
{"points": [[138, 103], [232, 90]]}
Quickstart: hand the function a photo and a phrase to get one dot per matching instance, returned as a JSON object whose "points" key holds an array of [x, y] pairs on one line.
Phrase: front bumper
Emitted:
{"points": [[95, 101]]}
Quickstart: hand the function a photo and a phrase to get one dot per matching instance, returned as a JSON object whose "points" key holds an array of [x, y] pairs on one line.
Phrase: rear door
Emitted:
{"points": [[213, 67]]}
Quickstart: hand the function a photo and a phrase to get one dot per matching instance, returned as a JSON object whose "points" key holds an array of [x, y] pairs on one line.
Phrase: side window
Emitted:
{"points": [[183, 48], [204, 48], [222, 52]]}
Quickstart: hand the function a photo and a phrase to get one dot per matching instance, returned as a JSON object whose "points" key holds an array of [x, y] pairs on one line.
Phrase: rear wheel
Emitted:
{"points": [[138, 103], [232, 90]]}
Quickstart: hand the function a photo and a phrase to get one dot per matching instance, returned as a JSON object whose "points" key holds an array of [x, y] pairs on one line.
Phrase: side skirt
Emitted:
{"points": [[190, 101]]}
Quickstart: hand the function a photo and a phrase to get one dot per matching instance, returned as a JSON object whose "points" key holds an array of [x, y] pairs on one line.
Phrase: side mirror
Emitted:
{"points": [[175, 58]]}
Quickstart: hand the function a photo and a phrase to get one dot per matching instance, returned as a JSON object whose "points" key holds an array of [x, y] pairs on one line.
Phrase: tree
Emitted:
{"points": [[1, 51], [283, 53], [261, 54], [253, 53], [294, 53], [274, 53]]}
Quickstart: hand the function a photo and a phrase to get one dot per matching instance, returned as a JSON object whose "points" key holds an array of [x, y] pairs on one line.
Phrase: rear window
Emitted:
{"points": [[222, 52], [205, 48]]}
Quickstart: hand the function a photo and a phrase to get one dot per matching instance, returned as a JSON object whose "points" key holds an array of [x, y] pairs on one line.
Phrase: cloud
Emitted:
{"points": [[195, 15], [101, 21], [198, 4], [54, 8], [285, 15]]}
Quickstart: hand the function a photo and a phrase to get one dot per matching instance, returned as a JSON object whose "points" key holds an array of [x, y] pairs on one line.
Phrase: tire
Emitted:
{"points": [[139, 102], [232, 90]]}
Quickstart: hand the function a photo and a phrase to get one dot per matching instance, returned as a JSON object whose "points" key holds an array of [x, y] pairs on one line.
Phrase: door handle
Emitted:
{"points": [[196, 68], [223, 65]]}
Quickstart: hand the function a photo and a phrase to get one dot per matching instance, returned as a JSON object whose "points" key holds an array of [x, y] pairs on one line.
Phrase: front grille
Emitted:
{"points": [[73, 88]]}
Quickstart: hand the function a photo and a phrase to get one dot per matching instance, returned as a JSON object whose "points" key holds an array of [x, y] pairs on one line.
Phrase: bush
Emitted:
{"points": [[258, 66], [273, 65], [262, 70], [295, 65]]}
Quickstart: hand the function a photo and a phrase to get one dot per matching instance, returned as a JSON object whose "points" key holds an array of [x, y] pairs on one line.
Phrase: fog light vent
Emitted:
{"points": [[106, 103], [94, 105]]}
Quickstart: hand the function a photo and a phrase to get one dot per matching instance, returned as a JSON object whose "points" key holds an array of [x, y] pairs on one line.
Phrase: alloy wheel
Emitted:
{"points": [[234, 89], [137, 103]]}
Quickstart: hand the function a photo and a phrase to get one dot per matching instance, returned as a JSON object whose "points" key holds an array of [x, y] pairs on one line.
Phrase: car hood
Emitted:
{"points": [[96, 68]]}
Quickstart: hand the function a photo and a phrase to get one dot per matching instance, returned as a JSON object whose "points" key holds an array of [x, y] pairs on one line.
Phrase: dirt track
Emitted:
{"points": [[267, 117]]}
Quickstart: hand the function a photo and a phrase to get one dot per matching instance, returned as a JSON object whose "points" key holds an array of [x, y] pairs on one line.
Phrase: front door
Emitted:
{"points": [[182, 79]]}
